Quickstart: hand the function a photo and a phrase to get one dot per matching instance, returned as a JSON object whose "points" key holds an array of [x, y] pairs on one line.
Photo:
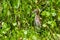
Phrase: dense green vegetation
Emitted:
{"points": [[17, 20]]}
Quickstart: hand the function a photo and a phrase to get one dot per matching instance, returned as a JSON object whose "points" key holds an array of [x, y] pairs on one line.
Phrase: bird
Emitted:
{"points": [[37, 19]]}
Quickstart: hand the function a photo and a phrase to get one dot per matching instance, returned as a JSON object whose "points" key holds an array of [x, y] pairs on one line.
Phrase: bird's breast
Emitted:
{"points": [[37, 20]]}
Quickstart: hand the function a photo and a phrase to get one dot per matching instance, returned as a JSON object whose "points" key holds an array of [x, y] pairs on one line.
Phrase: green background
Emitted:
{"points": [[17, 20]]}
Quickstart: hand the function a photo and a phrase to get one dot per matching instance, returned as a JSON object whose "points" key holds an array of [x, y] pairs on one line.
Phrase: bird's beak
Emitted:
{"points": [[33, 11]]}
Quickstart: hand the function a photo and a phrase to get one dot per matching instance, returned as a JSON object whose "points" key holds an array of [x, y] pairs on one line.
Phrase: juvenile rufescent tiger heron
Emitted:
{"points": [[37, 19]]}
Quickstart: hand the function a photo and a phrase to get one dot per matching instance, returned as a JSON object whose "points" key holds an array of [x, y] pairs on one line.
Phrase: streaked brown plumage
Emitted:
{"points": [[37, 20]]}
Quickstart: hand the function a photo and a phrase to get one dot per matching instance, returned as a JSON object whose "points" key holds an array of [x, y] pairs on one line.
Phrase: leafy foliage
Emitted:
{"points": [[17, 19]]}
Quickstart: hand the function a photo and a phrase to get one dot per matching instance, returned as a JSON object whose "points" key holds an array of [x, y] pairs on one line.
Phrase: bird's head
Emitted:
{"points": [[36, 11]]}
